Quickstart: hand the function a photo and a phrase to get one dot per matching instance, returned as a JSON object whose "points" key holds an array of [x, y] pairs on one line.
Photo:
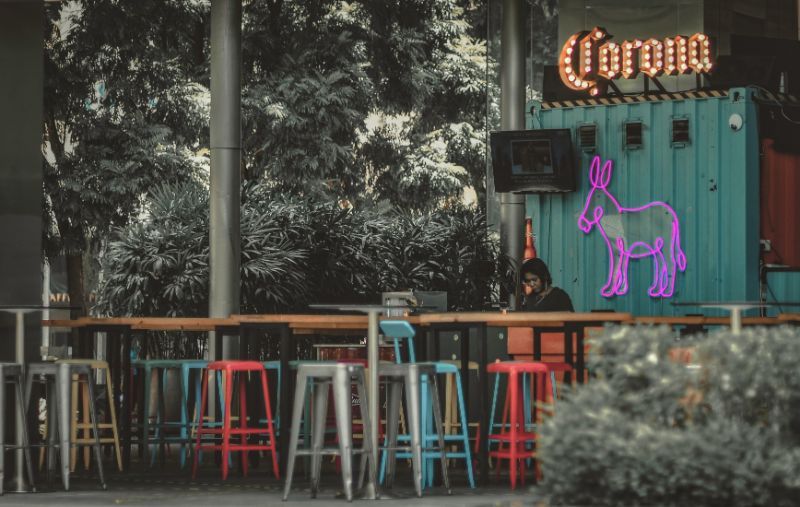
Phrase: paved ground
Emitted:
{"points": [[171, 487]]}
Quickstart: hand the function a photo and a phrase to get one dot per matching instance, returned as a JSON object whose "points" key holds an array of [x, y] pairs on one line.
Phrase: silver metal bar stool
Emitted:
{"points": [[341, 377], [11, 373], [57, 378], [410, 375]]}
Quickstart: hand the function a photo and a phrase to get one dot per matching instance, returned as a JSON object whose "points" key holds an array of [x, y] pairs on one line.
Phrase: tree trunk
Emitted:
{"points": [[75, 286]]}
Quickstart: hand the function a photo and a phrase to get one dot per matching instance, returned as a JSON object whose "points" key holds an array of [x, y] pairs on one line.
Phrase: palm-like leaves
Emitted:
{"points": [[294, 252]]}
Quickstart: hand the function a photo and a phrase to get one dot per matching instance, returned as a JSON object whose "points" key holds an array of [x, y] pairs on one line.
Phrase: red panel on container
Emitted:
{"points": [[780, 205]]}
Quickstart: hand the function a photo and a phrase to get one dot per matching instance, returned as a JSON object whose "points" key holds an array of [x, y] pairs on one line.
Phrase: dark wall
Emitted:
{"points": [[758, 18], [21, 76]]}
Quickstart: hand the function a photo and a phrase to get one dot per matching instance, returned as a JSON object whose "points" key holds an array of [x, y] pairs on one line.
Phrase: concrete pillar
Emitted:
{"points": [[226, 134], [21, 105]]}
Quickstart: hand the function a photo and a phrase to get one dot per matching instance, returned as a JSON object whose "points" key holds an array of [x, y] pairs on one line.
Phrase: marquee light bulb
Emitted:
{"points": [[600, 59]]}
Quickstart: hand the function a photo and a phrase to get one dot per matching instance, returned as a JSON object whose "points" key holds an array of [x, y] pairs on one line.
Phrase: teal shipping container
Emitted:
{"points": [[698, 153]]}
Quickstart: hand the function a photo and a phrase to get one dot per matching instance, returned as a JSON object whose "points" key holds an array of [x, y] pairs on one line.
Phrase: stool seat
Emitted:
{"points": [[91, 363], [401, 370], [447, 368], [236, 365], [157, 363], [10, 370], [328, 368], [517, 366], [472, 365]]}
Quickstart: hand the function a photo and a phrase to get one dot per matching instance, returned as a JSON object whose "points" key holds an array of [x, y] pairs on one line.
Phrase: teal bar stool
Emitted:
{"points": [[276, 415], [186, 423], [398, 330], [147, 366]]}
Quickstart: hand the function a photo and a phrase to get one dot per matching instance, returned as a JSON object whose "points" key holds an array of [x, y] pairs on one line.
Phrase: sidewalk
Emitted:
{"points": [[168, 488]]}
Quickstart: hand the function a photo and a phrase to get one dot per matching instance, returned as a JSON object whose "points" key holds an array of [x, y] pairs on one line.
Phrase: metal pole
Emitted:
{"points": [[512, 117], [370, 491], [19, 457], [226, 56], [736, 321]]}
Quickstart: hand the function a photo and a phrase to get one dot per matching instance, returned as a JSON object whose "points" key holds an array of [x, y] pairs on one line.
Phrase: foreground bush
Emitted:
{"points": [[294, 252], [648, 430]]}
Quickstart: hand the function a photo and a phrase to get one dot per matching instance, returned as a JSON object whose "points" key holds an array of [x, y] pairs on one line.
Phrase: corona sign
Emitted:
{"points": [[589, 60]]}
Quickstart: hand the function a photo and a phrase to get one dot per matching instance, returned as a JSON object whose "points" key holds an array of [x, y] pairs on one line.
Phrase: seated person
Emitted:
{"points": [[538, 292]]}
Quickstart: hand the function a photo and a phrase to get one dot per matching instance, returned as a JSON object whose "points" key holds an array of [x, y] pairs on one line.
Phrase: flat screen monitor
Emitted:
{"points": [[532, 161]]}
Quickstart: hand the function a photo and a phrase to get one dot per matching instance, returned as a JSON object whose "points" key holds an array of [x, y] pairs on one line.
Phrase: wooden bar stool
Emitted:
{"points": [[80, 393], [452, 422]]}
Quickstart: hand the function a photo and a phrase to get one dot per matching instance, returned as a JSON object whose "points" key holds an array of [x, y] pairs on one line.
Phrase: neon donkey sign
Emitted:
{"points": [[666, 255]]}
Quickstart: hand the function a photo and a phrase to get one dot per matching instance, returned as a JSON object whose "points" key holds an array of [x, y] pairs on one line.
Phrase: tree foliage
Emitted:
{"points": [[363, 100], [358, 101], [121, 110]]}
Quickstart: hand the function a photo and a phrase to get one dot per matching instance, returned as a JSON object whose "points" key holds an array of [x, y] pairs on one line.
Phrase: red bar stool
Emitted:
{"points": [[228, 370], [557, 368], [514, 435]]}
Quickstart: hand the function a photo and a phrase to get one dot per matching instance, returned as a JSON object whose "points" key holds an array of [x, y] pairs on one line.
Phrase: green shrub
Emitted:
{"points": [[648, 430], [294, 252]]}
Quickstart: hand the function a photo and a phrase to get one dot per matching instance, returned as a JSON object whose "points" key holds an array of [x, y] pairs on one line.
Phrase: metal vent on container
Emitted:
{"points": [[680, 131], [587, 137], [633, 135]]}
